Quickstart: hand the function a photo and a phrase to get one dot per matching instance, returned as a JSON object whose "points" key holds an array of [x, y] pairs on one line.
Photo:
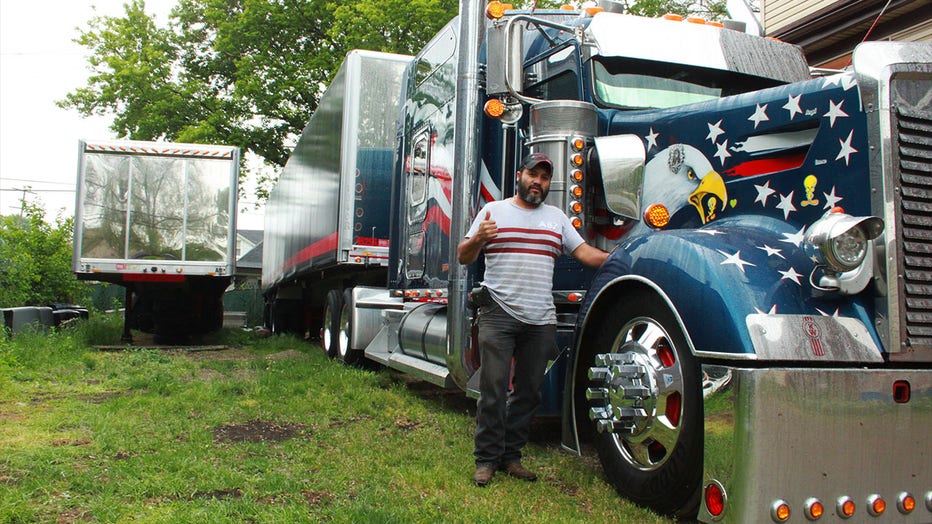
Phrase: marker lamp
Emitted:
{"points": [[839, 241]]}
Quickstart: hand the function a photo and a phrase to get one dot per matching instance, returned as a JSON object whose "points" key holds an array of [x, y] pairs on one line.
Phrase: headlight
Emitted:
{"points": [[839, 241]]}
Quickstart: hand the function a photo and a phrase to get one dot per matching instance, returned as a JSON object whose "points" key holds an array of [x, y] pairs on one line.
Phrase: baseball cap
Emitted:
{"points": [[535, 159]]}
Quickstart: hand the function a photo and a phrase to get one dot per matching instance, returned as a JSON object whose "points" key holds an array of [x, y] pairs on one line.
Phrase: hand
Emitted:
{"points": [[488, 229]]}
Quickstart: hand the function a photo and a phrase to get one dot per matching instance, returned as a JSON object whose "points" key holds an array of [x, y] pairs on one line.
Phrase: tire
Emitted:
{"points": [[648, 422], [347, 354], [330, 327]]}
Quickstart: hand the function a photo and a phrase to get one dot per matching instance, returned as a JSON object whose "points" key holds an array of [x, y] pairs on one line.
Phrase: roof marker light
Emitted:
{"points": [[495, 10]]}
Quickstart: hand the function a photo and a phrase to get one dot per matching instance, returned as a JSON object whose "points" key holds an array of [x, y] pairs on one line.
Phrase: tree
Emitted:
{"points": [[240, 72], [35, 260]]}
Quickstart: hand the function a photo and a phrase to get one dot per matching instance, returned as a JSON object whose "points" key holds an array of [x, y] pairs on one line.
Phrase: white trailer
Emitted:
{"points": [[159, 219]]}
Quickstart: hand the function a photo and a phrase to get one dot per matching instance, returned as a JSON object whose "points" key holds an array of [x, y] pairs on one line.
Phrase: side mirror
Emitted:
{"points": [[620, 160]]}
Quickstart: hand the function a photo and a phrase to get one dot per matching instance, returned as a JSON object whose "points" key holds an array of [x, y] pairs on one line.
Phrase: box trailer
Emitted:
{"points": [[159, 219], [327, 218]]}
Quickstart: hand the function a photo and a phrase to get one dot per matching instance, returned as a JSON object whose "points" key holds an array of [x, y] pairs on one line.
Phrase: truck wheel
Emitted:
{"points": [[646, 403], [347, 355], [330, 327]]}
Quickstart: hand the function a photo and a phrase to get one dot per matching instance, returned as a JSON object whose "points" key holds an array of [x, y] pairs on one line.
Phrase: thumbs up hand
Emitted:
{"points": [[488, 229]]}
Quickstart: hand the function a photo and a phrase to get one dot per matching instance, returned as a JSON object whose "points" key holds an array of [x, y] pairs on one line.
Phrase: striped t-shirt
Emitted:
{"points": [[519, 261]]}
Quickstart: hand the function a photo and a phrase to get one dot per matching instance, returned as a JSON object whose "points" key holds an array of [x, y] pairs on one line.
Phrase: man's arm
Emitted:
{"points": [[468, 250], [590, 256]]}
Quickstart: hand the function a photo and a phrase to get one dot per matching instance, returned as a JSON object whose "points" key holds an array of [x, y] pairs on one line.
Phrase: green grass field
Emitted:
{"points": [[266, 430]]}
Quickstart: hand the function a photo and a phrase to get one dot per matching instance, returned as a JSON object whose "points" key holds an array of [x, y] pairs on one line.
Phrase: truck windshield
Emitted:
{"points": [[639, 84]]}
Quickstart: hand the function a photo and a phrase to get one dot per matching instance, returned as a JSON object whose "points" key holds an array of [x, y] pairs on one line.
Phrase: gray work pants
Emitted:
{"points": [[503, 419]]}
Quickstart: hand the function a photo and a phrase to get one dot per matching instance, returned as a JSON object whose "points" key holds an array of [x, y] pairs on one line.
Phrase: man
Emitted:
{"points": [[522, 238]]}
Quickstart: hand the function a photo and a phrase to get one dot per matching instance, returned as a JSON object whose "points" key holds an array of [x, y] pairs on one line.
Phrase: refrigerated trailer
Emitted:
{"points": [[758, 346], [159, 219]]}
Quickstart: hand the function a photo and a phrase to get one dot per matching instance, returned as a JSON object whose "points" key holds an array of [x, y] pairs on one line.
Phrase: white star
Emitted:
{"points": [[763, 193], [832, 80], [790, 274], [651, 139], [786, 205], [792, 105], [773, 310], [848, 81], [772, 251], [795, 238], [831, 199], [835, 112], [846, 149], [824, 314], [735, 260], [714, 131], [722, 152], [710, 232], [760, 115]]}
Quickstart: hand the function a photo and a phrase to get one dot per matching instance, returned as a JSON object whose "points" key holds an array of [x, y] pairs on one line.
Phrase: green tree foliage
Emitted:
{"points": [[35, 260], [708, 9], [240, 72]]}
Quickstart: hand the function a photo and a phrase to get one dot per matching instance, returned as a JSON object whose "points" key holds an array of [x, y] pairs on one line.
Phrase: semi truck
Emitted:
{"points": [[757, 347], [159, 219]]}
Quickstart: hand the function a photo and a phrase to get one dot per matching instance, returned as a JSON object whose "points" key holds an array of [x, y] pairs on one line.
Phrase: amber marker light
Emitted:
{"points": [[906, 503], [495, 10], [576, 191], [780, 511], [814, 509], [673, 17], [494, 108], [577, 175], [696, 20], [845, 507], [577, 160], [578, 144], [657, 216], [876, 505], [576, 207], [577, 222]]}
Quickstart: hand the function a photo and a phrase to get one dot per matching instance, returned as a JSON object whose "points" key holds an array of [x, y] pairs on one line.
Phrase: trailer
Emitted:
{"points": [[758, 346], [159, 219]]}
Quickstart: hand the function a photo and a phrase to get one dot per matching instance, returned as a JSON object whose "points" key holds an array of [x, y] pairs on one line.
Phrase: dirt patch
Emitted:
{"points": [[257, 431]]}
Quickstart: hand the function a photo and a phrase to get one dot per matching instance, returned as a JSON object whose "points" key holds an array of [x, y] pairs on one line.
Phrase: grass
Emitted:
{"points": [[269, 430]]}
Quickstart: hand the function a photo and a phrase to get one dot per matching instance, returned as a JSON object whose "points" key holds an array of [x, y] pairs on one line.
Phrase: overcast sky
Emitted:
{"points": [[39, 64]]}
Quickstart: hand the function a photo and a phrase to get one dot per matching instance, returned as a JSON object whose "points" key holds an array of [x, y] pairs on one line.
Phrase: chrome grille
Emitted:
{"points": [[914, 128]]}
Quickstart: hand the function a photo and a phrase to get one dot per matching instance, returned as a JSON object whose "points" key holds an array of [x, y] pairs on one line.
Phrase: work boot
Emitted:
{"points": [[483, 475], [516, 470]]}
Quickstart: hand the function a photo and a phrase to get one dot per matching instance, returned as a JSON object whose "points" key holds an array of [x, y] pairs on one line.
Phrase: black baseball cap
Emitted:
{"points": [[535, 159]]}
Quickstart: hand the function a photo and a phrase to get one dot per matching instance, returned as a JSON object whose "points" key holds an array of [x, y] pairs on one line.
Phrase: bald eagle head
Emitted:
{"points": [[681, 175]]}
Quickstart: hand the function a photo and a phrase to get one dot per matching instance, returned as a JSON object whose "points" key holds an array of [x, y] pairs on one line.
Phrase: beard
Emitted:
{"points": [[524, 193]]}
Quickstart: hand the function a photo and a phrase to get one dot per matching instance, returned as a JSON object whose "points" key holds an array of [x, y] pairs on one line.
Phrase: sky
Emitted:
{"points": [[40, 64]]}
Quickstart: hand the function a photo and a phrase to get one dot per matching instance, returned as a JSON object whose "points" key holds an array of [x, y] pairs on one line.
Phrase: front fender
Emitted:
{"points": [[716, 276]]}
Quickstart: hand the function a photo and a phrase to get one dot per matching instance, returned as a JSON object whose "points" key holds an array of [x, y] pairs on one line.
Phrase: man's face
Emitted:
{"points": [[534, 184]]}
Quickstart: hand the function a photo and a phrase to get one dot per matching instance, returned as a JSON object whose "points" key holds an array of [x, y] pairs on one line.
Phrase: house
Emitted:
{"points": [[829, 30]]}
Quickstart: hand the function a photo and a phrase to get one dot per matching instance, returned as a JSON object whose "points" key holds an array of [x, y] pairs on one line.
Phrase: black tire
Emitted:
{"points": [[330, 327], [347, 354], [656, 461]]}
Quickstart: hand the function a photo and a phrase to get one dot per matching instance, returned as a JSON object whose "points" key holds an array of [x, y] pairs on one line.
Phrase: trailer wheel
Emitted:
{"points": [[330, 334], [646, 403], [347, 354]]}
